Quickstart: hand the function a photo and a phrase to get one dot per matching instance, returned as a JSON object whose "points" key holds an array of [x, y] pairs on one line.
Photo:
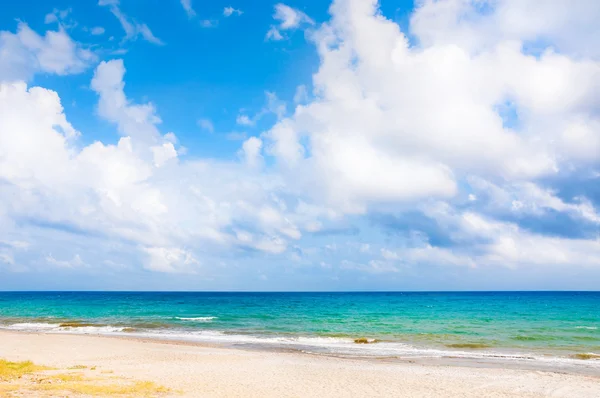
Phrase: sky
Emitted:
{"points": [[300, 145]]}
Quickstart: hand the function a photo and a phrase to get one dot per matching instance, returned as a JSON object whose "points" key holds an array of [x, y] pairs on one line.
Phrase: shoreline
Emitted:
{"points": [[475, 358], [213, 370]]}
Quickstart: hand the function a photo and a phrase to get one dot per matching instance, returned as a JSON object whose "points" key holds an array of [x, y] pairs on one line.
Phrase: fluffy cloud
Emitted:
{"points": [[24, 53], [137, 191], [475, 99], [455, 138], [251, 152], [566, 26], [394, 122]]}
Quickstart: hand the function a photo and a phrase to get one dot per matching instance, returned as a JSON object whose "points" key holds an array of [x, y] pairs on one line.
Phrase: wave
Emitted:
{"points": [[66, 327], [586, 327], [469, 345], [32, 326], [338, 346], [198, 318], [587, 356], [534, 337]]}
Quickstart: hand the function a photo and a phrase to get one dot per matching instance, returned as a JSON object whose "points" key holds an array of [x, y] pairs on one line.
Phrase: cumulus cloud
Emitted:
{"points": [[448, 136], [25, 53], [137, 190], [132, 28], [301, 95], [251, 152], [393, 122], [567, 27]]}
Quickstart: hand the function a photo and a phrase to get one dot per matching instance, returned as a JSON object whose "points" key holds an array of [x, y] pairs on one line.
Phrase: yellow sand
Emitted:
{"points": [[24, 378], [196, 371]]}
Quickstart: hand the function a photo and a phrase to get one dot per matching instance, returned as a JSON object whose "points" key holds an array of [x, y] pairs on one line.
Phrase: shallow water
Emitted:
{"points": [[526, 326]]}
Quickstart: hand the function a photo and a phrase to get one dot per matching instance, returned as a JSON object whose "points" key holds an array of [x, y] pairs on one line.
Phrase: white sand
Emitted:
{"points": [[199, 371]]}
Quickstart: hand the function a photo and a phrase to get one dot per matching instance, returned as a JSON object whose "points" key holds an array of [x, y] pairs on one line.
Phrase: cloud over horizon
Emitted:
{"points": [[467, 143]]}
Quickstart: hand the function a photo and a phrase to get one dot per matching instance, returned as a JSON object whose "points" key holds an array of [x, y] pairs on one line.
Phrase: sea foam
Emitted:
{"points": [[198, 318]]}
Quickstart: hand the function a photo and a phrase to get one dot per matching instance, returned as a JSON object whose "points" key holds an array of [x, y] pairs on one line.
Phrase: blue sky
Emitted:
{"points": [[353, 145]]}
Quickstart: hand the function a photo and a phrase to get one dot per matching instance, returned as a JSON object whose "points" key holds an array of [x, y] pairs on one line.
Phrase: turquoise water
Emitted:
{"points": [[519, 325]]}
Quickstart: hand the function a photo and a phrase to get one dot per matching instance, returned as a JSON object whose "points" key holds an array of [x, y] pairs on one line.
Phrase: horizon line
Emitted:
{"points": [[301, 291]]}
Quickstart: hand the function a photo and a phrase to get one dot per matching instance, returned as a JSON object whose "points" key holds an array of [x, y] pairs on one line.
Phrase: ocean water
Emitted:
{"points": [[542, 327]]}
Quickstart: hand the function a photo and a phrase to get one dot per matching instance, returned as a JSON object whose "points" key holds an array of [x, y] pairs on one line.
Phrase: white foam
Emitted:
{"points": [[32, 326], [55, 327], [312, 344], [198, 318], [90, 329], [586, 327]]}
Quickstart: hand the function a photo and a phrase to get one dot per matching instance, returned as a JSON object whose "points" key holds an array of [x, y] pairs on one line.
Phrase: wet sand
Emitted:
{"points": [[191, 370]]}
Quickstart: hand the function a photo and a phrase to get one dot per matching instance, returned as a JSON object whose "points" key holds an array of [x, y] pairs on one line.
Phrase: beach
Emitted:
{"points": [[193, 370]]}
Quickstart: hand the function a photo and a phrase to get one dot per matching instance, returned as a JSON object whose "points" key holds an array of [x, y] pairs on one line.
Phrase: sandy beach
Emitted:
{"points": [[200, 371]]}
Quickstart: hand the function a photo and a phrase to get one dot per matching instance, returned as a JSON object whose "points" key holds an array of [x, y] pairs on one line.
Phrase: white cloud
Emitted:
{"points": [[206, 124], [568, 26], [529, 198], [229, 11], [251, 152], [510, 246], [7, 258], [137, 191], [170, 260], [273, 34], [75, 262], [288, 18], [301, 95], [163, 153], [60, 17], [209, 23], [274, 106], [244, 120], [8, 250], [132, 28], [393, 123], [187, 6], [468, 115], [97, 31], [25, 52], [236, 136], [136, 121]]}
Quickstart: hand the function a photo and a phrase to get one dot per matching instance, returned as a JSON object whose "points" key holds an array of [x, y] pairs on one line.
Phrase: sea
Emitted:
{"points": [[543, 329]]}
